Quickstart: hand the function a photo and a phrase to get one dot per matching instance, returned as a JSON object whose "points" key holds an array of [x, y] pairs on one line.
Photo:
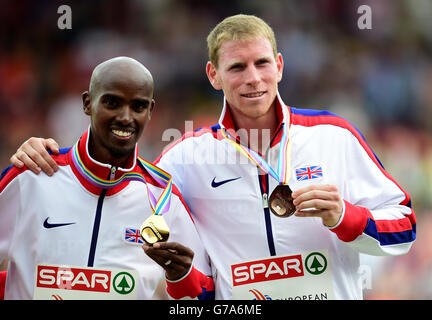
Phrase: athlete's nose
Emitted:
{"points": [[252, 75], [125, 115]]}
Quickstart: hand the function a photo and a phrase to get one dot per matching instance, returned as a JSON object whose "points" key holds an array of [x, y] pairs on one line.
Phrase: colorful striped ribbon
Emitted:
{"points": [[158, 207], [283, 173]]}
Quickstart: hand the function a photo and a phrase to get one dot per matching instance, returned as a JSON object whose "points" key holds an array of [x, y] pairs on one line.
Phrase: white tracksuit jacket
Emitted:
{"points": [[256, 255], [84, 236]]}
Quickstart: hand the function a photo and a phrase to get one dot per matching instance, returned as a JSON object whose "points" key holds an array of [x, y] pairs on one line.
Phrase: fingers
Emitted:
{"points": [[166, 260], [175, 258], [321, 201], [318, 201], [16, 162], [20, 158], [310, 213], [52, 145], [314, 187], [34, 155], [174, 248], [173, 251], [317, 197]]}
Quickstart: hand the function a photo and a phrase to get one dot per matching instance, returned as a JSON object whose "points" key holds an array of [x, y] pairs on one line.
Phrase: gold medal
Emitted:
{"points": [[154, 229], [281, 202]]}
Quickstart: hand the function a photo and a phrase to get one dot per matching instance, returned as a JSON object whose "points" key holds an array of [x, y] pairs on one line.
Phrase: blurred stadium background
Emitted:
{"points": [[379, 79]]}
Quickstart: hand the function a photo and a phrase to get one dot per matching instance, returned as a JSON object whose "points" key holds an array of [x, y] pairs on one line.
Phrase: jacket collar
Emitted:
{"points": [[226, 120], [101, 170]]}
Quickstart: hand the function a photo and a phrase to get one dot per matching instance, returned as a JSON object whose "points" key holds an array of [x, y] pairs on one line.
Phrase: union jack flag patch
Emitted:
{"points": [[307, 173], [133, 236]]}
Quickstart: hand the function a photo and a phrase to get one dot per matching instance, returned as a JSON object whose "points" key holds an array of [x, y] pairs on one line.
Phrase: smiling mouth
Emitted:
{"points": [[253, 94], [121, 133]]}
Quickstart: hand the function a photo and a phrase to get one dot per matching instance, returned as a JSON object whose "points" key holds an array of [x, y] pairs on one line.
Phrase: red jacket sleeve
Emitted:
{"points": [[3, 275], [194, 285]]}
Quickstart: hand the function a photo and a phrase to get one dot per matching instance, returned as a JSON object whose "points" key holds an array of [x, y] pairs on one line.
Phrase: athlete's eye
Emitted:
{"points": [[236, 67], [262, 62], [110, 101], [140, 106]]}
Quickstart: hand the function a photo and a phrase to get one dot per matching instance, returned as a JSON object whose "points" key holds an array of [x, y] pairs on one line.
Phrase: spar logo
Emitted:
{"points": [[277, 268], [267, 269], [73, 278], [123, 283], [83, 279], [316, 263]]}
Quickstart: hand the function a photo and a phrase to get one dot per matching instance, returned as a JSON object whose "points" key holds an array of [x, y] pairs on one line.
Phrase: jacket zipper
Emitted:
{"points": [[112, 173], [264, 186], [265, 200], [97, 221]]}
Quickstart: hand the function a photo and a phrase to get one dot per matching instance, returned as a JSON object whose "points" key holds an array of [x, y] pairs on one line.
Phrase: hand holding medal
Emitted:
{"points": [[175, 258], [321, 200]]}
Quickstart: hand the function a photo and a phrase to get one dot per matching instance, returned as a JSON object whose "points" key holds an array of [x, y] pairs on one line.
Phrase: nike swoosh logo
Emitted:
{"points": [[48, 225], [215, 184]]}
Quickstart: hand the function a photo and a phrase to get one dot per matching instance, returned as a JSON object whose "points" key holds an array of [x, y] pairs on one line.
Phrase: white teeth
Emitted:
{"points": [[254, 95], [122, 133]]}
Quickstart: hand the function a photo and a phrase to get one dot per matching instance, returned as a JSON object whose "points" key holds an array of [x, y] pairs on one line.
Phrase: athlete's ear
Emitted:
{"points": [[213, 76], [152, 104], [279, 66], [86, 103]]}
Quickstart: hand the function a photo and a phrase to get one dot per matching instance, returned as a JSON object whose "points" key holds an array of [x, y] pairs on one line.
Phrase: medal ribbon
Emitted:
{"points": [[158, 207], [283, 173]]}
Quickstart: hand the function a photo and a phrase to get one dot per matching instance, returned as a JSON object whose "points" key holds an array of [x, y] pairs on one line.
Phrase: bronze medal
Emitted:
{"points": [[281, 202], [154, 229]]}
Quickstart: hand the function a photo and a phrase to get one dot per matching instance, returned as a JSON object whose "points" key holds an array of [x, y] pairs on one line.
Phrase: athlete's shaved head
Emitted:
{"points": [[119, 103], [109, 68]]}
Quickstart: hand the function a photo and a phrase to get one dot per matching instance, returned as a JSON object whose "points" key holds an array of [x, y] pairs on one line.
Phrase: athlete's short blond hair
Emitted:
{"points": [[238, 27]]}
